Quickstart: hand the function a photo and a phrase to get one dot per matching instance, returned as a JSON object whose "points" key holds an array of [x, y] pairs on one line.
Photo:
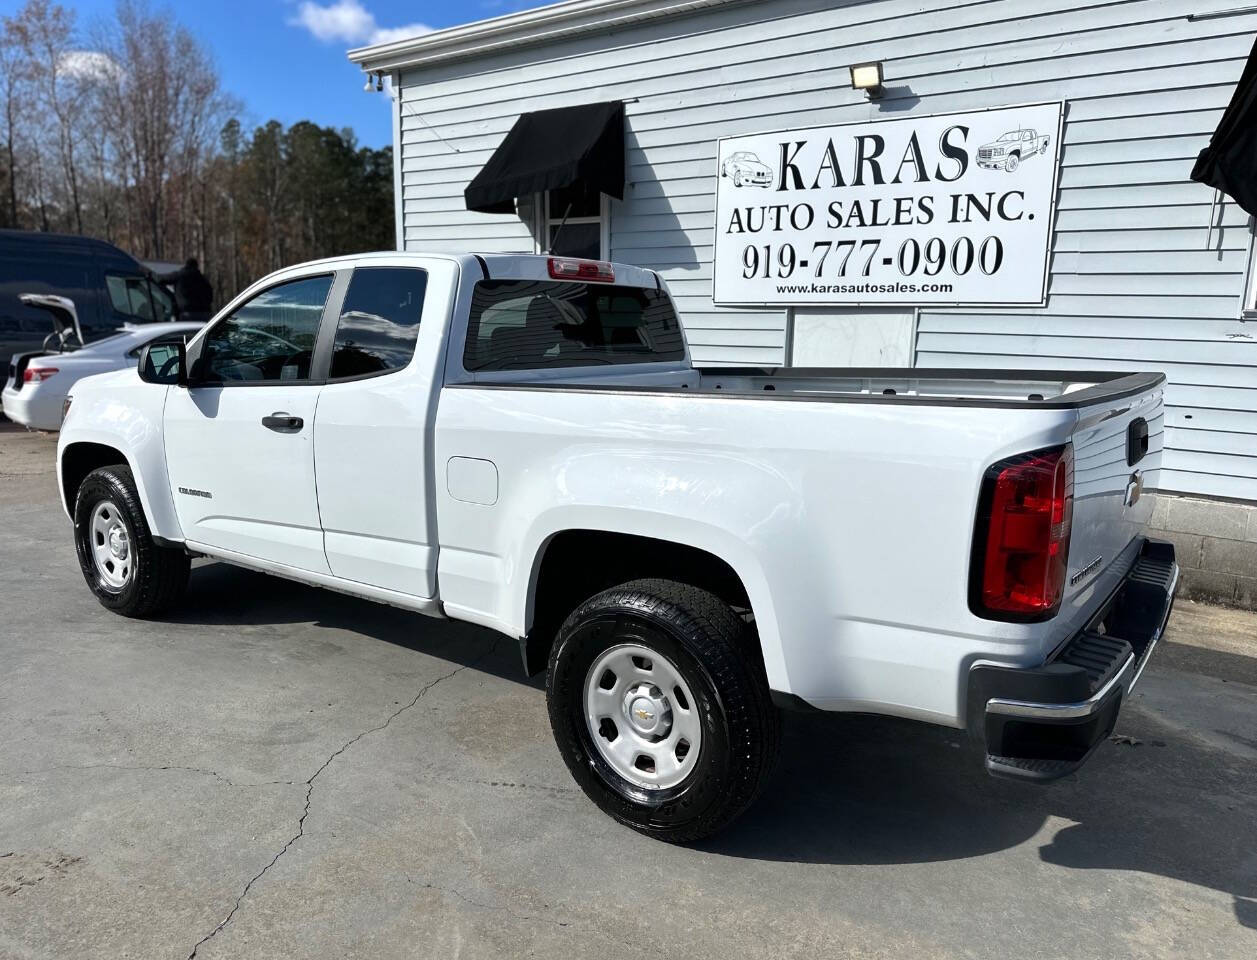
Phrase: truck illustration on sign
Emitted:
{"points": [[746, 168], [1008, 152]]}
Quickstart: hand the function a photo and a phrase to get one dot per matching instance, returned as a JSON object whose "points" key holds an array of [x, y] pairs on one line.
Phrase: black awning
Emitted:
{"points": [[549, 149], [1230, 161]]}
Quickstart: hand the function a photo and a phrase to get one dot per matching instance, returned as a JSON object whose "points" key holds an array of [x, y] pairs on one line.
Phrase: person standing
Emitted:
{"points": [[193, 292]]}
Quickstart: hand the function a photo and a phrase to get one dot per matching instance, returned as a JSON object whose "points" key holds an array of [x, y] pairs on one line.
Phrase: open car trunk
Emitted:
{"points": [[65, 319], [66, 334]]}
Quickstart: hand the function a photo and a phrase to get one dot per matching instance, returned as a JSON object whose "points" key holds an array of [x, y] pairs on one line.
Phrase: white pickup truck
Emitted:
{"points": [[521, 442]]}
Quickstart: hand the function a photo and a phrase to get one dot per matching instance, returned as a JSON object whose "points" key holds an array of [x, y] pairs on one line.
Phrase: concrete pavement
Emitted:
{"points": [[279, 771]]}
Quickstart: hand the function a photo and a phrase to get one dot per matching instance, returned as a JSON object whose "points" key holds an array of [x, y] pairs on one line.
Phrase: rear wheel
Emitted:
{"points": [[661, 709], [126, 570]]}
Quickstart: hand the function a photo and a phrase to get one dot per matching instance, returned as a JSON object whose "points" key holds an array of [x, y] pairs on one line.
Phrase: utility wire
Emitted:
{"points": [[405, 105]]}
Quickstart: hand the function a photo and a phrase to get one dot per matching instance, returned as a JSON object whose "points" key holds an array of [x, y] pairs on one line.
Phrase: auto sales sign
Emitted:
{"points": [[950, 209]]}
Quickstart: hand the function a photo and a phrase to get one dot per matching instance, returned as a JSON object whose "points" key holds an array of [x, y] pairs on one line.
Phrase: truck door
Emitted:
{"points": [[239, 439], [372, 435]]}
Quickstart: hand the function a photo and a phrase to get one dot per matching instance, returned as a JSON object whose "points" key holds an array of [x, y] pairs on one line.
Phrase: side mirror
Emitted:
{"points": [[164, 363]]}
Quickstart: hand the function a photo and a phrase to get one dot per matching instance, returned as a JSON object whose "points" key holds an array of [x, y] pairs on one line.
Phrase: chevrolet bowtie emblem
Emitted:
{"points": [[644, 715]]}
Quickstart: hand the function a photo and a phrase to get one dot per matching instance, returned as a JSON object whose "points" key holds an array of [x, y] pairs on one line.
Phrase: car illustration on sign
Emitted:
{"points": [[1008, 152], [745, 168]]}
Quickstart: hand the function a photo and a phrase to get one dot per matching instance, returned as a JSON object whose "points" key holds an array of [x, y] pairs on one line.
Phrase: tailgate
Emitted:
{"points": [[1117, 459]]}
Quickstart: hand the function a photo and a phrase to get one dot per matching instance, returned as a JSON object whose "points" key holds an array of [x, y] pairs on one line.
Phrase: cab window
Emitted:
{"points": [[269, 338], [531, 324], [379, 322]]}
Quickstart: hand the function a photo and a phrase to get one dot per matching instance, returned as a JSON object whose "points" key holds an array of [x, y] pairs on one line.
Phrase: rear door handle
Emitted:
{"points": [[283, 423]]}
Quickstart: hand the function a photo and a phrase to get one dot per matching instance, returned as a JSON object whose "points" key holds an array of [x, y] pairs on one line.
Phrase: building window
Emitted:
{"points": [[584, 231]]}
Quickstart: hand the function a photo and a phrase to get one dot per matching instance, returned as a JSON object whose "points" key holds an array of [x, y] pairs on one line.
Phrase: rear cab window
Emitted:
{"points": [[544, 324]]}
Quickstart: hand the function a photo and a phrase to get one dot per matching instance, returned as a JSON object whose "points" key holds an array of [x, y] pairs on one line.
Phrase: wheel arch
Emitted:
{"points": [[562, 576], [79, 457]]}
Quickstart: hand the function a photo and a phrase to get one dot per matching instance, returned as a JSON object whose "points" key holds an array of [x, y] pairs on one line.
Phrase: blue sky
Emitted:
{"points": [[286, 58]]}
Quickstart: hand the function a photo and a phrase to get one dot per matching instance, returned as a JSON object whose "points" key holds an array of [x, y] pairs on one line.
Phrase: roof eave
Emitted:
{"points": [[548, 23]]}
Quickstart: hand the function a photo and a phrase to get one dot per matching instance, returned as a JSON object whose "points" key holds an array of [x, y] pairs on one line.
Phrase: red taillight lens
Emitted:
{"points": [[592, 270], [38, 374], [1021, 545]]}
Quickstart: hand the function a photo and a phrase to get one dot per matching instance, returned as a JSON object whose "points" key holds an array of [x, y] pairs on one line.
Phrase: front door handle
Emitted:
{"points": [[283, 423]]}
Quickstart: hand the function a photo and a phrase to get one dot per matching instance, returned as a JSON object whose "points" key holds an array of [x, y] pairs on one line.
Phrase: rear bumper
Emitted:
{"points": [[31, 407], [1041, 723]]}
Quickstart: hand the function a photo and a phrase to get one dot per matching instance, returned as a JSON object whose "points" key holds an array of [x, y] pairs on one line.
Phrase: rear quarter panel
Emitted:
{"points": [[850, 524]]}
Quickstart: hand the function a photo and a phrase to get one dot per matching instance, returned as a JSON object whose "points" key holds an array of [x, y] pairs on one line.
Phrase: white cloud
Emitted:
{"points": [[348, 21], [389, 34], [88, 65]]}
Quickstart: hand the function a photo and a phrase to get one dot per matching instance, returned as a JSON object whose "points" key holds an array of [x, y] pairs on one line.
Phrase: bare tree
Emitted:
{"points": [[10, 110], [46, 33], [138, 143], [165, 108]]}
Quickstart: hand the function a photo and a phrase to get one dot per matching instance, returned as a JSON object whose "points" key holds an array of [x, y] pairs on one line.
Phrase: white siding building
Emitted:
{"points": [[1138, 277]]}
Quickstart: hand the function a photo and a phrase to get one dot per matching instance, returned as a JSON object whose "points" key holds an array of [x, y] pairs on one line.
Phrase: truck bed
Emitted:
{"points": [[1050, 389]]}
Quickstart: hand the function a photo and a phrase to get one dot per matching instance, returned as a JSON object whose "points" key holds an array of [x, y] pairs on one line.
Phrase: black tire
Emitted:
{"points": [[159, 575], [718, 658]]}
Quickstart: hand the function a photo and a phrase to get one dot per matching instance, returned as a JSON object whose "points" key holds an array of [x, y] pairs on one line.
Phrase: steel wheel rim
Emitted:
{"points": [[641, 716], [112, 549]]}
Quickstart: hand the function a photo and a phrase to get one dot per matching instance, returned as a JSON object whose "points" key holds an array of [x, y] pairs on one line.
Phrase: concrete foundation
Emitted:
{"points": [[1217, 547]]}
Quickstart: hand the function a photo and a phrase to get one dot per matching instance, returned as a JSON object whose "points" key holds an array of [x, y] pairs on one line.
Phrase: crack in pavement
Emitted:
{"points": [[309, 785], [145, 767]]}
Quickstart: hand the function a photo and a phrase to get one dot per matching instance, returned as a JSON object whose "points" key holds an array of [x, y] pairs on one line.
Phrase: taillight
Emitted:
{"points": [[562, 268], [38, 374], [1021, 543]]}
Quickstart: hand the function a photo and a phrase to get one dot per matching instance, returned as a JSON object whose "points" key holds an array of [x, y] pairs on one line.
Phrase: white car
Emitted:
{"points": [[522, 443], [744, 167], [37, 383]]}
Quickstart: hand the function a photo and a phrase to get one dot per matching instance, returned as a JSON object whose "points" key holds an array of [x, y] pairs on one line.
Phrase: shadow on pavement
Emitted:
{"points": [[854, 789], [222, 595]]}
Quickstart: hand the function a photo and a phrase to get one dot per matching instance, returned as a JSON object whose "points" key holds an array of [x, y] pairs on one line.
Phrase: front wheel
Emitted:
{"points": [[1012, 163], [661, 709], [126, 570]]}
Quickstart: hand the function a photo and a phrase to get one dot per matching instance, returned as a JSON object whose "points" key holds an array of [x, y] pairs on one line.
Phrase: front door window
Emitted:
{"points": [[268, 339]]}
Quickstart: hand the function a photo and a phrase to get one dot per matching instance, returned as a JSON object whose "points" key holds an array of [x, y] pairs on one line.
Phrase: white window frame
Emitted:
{"points": [[1249, 310], [546, 218]]}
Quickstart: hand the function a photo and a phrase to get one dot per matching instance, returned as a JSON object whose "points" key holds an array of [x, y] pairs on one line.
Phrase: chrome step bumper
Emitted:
{"points": [[1042, 723]]}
